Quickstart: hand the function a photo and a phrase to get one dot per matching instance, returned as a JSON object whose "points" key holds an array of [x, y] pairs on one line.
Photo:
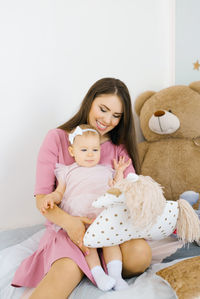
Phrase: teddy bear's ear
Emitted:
{"points": [[195, 86], [141, 99]]}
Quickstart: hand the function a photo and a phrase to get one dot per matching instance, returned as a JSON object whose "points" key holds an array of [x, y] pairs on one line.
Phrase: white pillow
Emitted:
{"points": [[115, 226]]}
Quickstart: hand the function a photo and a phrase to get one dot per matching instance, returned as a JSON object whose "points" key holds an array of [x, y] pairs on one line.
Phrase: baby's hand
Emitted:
{"points": [[121, 165], [49, 201]]}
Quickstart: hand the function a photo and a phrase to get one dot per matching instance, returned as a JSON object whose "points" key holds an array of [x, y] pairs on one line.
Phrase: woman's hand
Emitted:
{"points": [[74, 226], [75, 229]]}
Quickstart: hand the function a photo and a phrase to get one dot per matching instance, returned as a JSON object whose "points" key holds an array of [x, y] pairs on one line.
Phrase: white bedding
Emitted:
{"points": [[11, 257], [147, 286]]}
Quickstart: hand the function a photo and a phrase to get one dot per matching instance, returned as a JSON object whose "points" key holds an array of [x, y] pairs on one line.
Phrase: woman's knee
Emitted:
{"points": [[63, 276], [136, 255], [65, 267]]}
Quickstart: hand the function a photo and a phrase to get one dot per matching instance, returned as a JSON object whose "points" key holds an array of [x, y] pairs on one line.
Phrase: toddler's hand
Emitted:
{"points": [[121, 165], [50, 200], [48, 203]]}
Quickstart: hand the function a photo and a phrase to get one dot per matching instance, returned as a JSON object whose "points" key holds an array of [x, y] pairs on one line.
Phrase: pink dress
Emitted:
{"points": [[83, 186], [56, 244]]}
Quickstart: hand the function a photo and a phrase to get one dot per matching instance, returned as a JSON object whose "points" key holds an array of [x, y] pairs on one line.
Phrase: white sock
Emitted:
{"points": [[115, 270], [103, 281]]}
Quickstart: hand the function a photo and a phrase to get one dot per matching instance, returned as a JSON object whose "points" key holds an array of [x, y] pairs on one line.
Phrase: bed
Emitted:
{"points": [[17, 244]]}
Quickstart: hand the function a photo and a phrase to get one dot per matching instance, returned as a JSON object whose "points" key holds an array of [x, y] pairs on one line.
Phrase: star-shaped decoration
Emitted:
{"points": [[196, 65]]}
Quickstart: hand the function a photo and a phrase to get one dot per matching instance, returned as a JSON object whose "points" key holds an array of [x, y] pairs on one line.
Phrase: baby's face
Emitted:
{"points": [[86, 150]]}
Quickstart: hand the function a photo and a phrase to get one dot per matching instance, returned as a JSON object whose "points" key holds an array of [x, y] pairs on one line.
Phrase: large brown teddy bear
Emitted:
{"points": [[170, 123]]}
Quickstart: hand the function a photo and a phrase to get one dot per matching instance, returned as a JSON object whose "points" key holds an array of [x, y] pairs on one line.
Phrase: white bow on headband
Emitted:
{"points": [[79, 131]]}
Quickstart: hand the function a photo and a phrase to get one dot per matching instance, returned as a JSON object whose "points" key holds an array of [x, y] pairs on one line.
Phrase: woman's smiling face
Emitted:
{"points": [[105, 113]]}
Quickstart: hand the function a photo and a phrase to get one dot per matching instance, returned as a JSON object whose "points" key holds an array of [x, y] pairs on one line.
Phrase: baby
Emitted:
{"points": [[85, 180]]}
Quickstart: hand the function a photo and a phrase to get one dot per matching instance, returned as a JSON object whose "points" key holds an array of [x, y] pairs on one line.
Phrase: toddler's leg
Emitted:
{"points": [[113, 259], [103, 281]]}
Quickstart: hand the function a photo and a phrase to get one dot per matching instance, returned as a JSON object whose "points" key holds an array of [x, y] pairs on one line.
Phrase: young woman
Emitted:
{"points": [[106, 107]]}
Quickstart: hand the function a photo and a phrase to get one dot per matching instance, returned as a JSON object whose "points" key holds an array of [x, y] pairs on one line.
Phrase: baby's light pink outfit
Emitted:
{"points": [[83, 186], [57, 244]]}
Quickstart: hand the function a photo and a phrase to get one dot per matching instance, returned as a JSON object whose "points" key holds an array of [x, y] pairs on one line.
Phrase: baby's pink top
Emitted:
{"points": [[83, 186], [54, 150]]}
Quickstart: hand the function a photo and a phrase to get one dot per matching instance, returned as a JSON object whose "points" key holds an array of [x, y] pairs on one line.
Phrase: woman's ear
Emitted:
{"points": [[71, 152]]}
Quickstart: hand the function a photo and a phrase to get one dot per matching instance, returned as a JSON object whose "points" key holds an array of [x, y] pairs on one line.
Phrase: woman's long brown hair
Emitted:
{"points": [[124, 132]]}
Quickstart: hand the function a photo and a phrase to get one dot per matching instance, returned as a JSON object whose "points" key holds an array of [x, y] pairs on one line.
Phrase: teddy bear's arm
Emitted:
{"points": [[142, 149]]}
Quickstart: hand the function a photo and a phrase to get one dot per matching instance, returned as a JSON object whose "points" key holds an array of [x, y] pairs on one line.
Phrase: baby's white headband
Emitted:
{"points": [[79, 131]]}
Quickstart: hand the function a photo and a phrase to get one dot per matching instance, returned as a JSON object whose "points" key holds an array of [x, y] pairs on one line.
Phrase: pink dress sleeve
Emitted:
{"points": [[61, 171], [54, 150], [47, 158]]}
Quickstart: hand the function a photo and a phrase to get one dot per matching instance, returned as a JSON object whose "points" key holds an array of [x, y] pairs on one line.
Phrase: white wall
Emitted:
{"points": [[187, 45], [51, 52]]}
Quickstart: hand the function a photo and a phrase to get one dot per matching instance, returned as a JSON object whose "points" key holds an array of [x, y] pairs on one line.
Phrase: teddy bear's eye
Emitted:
{"points": [[170, 110]]}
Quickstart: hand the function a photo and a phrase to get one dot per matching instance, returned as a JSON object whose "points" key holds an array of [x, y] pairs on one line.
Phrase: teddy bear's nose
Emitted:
{"points": [[159, 113]]}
